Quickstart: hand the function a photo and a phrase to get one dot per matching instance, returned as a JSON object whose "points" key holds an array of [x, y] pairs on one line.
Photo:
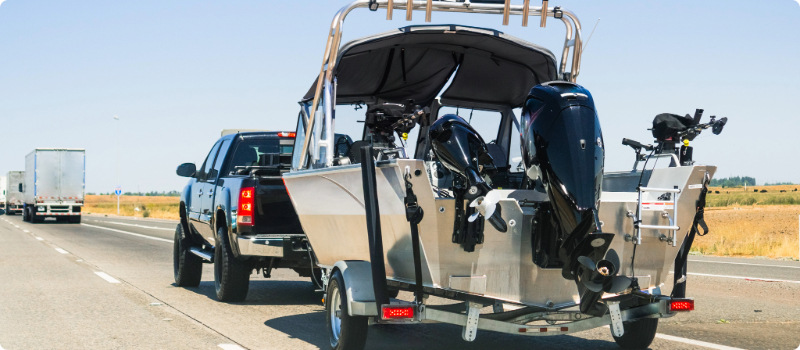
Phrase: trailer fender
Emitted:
{"points": [[358, 281]]}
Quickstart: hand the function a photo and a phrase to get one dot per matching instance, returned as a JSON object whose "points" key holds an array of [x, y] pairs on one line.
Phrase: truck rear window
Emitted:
{"points": [[260, 152]]}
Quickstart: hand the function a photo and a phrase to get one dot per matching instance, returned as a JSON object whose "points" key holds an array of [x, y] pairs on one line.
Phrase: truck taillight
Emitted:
{"points": [[287, 134], [681, 305], [247, 196]]}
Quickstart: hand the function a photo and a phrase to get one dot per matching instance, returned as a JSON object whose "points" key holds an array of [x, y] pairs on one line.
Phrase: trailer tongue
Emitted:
{"points": [[568, 246]]}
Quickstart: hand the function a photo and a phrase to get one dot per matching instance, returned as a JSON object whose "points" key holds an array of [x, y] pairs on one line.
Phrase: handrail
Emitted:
{"points": [[330, 56]]}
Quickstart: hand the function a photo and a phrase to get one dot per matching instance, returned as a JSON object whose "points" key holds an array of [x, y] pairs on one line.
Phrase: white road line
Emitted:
{"points": [[130, 233], [40, 238], [26, 231], [135, 225], [695, 342], [62, 251], [741, 277], [227, 347], [106, 277], [748, 264]]}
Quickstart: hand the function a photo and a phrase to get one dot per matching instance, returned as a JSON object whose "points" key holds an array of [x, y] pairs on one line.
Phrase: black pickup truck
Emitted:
{"points": [[236, 213]]}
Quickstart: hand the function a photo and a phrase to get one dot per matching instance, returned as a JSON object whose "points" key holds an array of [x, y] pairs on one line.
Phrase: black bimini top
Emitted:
{"points": [[416, 62]]}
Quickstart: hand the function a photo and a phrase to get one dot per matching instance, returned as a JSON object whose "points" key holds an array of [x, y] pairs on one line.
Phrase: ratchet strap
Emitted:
{"points": [[414, 216], [679, 288]]}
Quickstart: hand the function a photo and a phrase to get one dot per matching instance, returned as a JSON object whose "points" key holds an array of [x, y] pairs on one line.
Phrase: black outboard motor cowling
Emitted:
{"points": [[462, 150], [563, 148]]}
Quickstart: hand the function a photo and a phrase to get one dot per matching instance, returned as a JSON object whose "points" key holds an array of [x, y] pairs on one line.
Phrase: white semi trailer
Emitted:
{"points": [[14, 190], [55, 184], [2, 192]]}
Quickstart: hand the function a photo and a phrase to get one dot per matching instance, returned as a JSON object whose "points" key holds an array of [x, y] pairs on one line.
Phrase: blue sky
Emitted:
{"points": [[177, 72]]}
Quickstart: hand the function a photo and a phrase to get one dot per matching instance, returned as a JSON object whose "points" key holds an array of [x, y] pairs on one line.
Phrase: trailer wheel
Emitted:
{"points": [[25, 214], [639, 334], [231, 275], [346, 332], [188, 268]]}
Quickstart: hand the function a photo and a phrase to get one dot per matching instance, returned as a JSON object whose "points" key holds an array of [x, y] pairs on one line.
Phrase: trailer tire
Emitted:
{"points": [[231, 275], [188, 268], [33, 218], [639, 334], [25, 214], [345, 332]]}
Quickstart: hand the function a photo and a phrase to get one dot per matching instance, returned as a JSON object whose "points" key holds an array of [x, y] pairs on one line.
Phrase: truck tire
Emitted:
{"points": [[33, 218], [188, 268], [639, 334], [345, 332], [25, 214], [231, 275]]}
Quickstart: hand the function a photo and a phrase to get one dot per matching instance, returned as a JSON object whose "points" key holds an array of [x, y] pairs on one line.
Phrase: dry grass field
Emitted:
{"points": [[149, 206], [752, 224]]}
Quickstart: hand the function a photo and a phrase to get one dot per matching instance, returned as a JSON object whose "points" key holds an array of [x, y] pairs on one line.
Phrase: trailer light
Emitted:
{"points": [[287, 134], [246, 202], [681, 305], [394, 312]]}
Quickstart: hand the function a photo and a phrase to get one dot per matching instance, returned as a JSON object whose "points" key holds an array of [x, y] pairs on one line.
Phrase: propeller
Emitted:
{"points": [[601, 276], [488, 207]]}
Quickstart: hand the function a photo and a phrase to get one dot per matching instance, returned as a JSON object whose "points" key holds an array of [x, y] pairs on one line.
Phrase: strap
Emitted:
{"points": [[414, 214], [679, 288]]}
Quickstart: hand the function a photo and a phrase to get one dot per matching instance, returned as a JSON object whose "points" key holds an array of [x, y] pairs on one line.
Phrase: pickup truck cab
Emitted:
{"points": [[236, 213]]}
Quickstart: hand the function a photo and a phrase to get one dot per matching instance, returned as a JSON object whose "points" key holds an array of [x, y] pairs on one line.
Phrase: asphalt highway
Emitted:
{"points": [[107, 284]]}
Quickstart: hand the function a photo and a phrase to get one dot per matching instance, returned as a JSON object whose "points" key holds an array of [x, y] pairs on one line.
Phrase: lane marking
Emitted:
{"points": [[740, 277], [26, 231], [695, 342], [40, 238], [748, 264], [62, 251], [227, 347], [135, 225], [106, 277], [130, 233]]}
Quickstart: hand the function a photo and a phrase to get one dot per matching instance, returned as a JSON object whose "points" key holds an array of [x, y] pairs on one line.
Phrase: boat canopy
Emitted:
{"points": [[416, 62]]}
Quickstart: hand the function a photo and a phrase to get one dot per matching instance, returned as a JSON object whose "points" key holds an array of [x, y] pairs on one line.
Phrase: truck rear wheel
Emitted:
{"points": [[188, 267], [25, 214], [639, 334], [231, 275], [345, 332]]}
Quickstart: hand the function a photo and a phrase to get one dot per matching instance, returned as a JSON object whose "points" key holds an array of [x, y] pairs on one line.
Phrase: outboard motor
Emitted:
{"points": [[462, 151], [562, 147]]}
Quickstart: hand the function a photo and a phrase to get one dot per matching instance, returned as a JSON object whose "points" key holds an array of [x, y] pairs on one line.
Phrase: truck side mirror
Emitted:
{"points": [[186, 170], [20, 187]]}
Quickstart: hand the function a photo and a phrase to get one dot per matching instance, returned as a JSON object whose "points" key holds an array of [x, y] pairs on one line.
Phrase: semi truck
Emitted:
{"points": [[54, 188], [15, 183], [2, 192]]}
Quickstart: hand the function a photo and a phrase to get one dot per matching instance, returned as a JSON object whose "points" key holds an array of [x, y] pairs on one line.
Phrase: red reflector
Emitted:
{"points": [[287, 134], [246, 203], [565, 329], [392, 312], [681, 305]]}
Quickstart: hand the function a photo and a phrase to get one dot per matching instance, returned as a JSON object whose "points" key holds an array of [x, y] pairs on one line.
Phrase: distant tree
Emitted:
{"points": [[734, 181], [777, 183]]}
